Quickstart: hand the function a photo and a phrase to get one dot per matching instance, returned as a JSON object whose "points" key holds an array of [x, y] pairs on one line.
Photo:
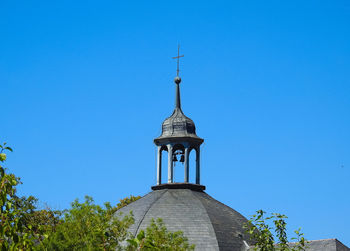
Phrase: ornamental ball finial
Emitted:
{"points": [[177, 80]]}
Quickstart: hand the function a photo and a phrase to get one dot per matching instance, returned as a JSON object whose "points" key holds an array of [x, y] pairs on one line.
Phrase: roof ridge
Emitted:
{"points": [[200, 201], [219, 202], [339, 244], [234, 215], [328, 239], [146, 211]]}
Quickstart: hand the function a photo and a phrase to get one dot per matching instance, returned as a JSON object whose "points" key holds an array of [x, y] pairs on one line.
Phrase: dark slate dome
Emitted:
{"points": [[178, 125], [206, 222]]}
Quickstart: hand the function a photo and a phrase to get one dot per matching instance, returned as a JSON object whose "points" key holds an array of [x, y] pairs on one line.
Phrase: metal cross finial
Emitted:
{"points": [[178, 59]]}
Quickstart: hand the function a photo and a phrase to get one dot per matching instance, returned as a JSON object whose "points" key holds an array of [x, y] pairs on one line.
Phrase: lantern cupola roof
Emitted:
{"points": [[178, 125]]}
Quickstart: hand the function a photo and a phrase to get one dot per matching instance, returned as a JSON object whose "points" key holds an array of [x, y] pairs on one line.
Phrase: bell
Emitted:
{"points": [[182, 159], [174, 158]]}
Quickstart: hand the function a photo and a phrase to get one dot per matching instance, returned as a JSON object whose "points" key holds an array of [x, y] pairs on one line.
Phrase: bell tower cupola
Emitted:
{"points": [[178, 139]]}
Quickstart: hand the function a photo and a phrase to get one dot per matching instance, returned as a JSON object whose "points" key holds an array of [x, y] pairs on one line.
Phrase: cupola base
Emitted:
{"points": [[191, 186]]}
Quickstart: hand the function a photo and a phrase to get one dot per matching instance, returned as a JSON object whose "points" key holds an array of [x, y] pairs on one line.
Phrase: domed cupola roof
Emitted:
{"points": [[178, 125]]}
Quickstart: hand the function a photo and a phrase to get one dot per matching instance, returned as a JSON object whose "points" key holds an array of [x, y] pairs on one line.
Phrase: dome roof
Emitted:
{"points": [[178, 125], [206, 222]]}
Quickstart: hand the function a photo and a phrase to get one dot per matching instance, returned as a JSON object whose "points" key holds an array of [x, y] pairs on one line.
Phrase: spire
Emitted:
{"points": [[177, 93], [177, 80]]}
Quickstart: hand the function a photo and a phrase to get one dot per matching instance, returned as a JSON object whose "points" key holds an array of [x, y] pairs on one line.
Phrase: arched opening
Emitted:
{"points": [[192, 163], [164, 165], [178, 163]]}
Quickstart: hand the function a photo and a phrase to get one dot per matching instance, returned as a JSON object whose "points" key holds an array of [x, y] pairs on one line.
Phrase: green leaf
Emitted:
{"points": [[2, 156], [141, 235], [9, 148]]}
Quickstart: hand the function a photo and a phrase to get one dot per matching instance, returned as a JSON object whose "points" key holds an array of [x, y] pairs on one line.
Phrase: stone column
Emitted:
{"points": [[170, 164], [159, 166], [197, 165], [187, 169]]}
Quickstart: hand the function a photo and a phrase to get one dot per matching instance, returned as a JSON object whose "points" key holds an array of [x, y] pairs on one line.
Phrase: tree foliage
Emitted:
{"points": [[87, 226], [157, 237], [126, 201], [273, 237], [84, 226], [15, 234]]}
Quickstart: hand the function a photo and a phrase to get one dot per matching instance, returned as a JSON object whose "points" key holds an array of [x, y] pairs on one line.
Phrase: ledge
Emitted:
{"points": [[194, 187]]}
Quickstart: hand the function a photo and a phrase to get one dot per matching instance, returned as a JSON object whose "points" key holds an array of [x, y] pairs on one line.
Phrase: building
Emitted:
{"points": [[208, 223]]}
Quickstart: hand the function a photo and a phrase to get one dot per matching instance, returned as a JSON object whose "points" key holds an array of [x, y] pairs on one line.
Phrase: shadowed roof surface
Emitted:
{"points": [[207, 223]]}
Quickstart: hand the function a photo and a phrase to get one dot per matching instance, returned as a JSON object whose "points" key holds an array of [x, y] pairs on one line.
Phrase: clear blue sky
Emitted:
{"points": [[85, 86]]}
